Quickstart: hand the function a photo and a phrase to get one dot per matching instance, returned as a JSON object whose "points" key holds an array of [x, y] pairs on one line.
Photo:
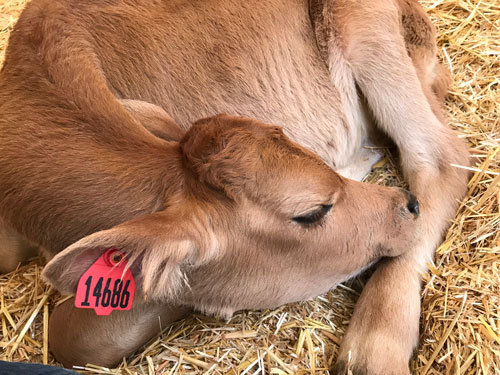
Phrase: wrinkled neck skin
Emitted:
{"points": [[260, 289]]}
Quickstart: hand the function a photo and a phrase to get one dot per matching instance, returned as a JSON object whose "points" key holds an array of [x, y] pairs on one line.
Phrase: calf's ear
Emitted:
{"points": [[220, 150], [159, 248]]}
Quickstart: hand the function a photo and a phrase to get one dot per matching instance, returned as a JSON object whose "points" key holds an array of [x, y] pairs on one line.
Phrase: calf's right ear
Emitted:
{"points": [[158, 250]]}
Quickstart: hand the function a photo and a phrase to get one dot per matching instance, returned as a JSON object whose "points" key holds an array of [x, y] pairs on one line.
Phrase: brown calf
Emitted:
{"points": [[84, 157]]}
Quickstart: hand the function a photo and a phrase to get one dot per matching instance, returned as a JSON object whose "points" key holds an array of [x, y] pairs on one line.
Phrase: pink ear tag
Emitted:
{"points": [[106, 285]]}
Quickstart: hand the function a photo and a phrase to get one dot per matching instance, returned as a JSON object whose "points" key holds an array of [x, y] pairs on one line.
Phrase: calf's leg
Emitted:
{"points": [[78, 336], [14, 249], [383, 331], [384, 328]]}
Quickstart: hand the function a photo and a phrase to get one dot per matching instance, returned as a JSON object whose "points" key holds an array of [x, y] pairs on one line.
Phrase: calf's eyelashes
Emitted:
{"points": [[315, 216]]}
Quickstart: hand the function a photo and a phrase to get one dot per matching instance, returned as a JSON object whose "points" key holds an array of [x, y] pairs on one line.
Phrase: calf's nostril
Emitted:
{"points": [[412, 205]]}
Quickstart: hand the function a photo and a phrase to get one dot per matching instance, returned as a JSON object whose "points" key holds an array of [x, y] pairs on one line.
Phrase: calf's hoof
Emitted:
{"points": [[378, 362]]}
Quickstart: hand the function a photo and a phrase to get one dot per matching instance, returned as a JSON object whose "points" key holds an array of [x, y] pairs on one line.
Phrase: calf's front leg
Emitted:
{"points": [[384, 328]]}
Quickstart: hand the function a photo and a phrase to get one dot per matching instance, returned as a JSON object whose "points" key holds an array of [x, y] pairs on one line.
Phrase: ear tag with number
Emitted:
{"points": [[106, 286]]}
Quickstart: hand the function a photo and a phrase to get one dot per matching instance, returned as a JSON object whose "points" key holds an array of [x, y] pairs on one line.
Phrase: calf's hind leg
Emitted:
{"points": [[78, 336]]}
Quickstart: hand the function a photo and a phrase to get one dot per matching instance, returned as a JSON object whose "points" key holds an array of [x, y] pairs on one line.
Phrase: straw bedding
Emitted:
{"points": [[460, 321]]}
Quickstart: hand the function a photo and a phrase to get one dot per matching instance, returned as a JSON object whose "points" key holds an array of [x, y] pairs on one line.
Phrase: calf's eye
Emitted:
{"points": [[314, 216]]}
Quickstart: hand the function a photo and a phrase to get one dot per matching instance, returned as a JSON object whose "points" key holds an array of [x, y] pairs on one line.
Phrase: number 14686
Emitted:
{"points": [[114, 293]]}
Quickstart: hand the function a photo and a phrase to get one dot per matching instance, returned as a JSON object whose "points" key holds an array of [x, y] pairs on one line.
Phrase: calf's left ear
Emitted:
{"points": [[158, 248]]}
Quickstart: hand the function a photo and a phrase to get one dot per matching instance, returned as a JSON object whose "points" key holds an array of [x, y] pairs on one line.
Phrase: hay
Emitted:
{"points": [[460, 324]]}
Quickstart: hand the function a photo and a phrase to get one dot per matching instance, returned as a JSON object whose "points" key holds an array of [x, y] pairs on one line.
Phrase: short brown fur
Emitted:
{"points": [[95, 98]]}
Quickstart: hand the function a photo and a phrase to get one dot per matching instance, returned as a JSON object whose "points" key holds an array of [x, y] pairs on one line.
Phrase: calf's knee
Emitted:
{"points": [[78, 336], [14, 249]]}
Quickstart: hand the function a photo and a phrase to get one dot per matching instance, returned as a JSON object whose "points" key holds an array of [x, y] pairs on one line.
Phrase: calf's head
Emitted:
{"points": [[257, 221]]}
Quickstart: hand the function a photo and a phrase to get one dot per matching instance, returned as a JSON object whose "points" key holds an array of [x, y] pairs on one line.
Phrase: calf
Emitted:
{"points": [[94, 97]]}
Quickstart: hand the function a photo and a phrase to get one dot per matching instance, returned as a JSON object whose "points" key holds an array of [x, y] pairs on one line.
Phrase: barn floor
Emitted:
{"points": [[460, 321]]}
